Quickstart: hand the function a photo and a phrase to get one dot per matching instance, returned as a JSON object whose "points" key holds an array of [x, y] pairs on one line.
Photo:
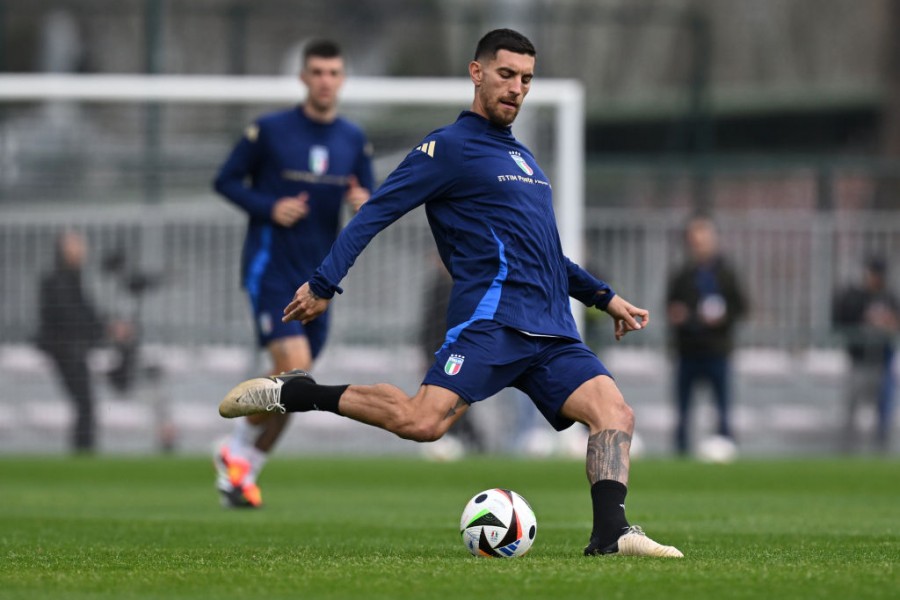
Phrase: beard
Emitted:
{"points": [[501, 114]]}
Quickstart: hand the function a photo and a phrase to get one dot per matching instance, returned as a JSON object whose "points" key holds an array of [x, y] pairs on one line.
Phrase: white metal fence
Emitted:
{"points": [[790, 264], [196, 326]]}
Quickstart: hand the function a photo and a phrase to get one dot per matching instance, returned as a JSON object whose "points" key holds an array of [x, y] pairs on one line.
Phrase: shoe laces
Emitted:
{"points": [[636, 529], [267, 397]]}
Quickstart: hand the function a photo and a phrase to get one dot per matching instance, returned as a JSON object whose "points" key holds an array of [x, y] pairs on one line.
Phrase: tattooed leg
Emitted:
{"points": [[608, 456]]}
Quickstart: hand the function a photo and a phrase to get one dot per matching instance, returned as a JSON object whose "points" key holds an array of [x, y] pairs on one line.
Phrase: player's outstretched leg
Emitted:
{"points": [[259, 395], [425, 417], [293, 391]]}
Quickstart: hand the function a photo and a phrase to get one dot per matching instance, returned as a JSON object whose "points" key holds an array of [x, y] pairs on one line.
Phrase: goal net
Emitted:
{"points": [[129, 160]]}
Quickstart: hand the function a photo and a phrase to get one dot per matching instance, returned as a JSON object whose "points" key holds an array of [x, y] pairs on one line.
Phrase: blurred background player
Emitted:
{"points": [[704, 301], [868, 315], [70, 326], [290, 172]]}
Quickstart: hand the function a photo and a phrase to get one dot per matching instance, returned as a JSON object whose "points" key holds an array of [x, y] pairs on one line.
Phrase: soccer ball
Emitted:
{"points": [[498, 523]]}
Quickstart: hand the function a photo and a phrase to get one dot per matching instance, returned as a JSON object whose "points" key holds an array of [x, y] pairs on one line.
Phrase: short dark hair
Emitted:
{"points": [[503, 39], [321, 49]]}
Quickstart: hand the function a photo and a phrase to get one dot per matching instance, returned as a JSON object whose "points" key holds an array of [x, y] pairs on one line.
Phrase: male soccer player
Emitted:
{"points": [[491, 213], [290, 172]]}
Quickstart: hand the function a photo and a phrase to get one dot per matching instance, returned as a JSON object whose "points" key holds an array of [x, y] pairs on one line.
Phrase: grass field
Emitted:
{"points": [[387, 528]]}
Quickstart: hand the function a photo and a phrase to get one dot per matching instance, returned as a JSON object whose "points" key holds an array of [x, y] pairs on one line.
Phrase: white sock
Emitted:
{"points": [[257, 460], [244, 436], [243, 444]]}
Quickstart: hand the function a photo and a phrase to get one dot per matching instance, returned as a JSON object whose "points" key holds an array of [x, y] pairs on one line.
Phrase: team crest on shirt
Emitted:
{"points": [[454, 364], [522, 164], [318, 159]]}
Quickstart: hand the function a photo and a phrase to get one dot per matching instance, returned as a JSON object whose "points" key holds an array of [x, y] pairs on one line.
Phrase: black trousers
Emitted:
{"points": [[75, 377], [690, 371]]}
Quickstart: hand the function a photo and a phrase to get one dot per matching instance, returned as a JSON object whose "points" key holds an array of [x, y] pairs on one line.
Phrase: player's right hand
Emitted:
{"points": [[290, 209], [626, 316], [305, 306], [356, 194]]}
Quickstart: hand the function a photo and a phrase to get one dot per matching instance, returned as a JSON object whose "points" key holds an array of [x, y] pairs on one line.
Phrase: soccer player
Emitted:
{"points": [[491, 214], [290, 172]]}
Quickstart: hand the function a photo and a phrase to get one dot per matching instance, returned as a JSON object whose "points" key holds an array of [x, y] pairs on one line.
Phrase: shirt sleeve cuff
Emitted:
{"points": [[603, 299], [323, 289]]}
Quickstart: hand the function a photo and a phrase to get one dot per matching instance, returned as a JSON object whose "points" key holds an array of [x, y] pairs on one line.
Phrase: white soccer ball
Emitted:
{"points": [[498, 523]]}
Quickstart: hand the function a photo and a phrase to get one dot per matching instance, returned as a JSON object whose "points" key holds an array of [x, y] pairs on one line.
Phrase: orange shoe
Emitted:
{"points": [[233, 482]]}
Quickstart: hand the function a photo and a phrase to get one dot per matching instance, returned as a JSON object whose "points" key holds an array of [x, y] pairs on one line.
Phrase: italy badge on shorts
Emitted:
{"points": [[454, 364]]}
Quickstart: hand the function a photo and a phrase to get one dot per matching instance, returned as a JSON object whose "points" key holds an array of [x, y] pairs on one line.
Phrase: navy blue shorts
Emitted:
{"points": [[268, 308], [488, 357]]}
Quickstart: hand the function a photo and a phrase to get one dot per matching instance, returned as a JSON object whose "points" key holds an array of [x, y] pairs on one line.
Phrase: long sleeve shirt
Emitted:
{"points": [[283, 154], [490, 208]]}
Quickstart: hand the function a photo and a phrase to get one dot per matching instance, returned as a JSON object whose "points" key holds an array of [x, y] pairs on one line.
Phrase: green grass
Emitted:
{"points": [[387, 528]]}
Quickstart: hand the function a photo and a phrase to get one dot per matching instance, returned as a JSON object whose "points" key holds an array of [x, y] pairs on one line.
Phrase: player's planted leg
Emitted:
{"points": [[612, 534], [599, 404]]}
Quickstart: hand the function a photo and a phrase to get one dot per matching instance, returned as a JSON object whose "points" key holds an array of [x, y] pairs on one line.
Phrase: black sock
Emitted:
{"points": [[608, 498], [301, 395]]}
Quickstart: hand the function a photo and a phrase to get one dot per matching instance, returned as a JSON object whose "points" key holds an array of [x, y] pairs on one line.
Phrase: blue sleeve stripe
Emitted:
{"points": [[258, 264], [488, 304]]}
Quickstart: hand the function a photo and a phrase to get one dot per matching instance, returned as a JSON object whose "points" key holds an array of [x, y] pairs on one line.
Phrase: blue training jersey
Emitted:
{"points": [[490, 208], [284, 154]]}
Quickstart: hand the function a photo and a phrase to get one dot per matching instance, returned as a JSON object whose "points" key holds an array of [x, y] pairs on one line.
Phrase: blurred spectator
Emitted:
{"points": [[704, 301], [868, 316], [464, 436], [70, 325]]}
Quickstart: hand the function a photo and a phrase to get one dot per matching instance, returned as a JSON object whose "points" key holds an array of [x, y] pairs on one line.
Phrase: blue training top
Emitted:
{"points": [[283, 154], [490, 208]]}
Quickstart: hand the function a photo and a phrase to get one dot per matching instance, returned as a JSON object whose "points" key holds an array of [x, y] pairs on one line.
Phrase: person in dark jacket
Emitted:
{"points": [[868, 315], [704, 301], [70, 326]]}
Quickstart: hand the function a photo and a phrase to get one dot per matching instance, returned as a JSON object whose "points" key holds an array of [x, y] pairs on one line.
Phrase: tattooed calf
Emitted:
{"points": [[607, 456]]}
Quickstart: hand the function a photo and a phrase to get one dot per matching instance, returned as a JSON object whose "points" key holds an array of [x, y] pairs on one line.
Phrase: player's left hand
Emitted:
{"points": [[626, 316], [356, 195], [305, 306]]}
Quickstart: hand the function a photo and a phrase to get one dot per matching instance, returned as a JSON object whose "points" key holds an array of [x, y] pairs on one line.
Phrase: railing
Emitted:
{"points": [[790, 264]]}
